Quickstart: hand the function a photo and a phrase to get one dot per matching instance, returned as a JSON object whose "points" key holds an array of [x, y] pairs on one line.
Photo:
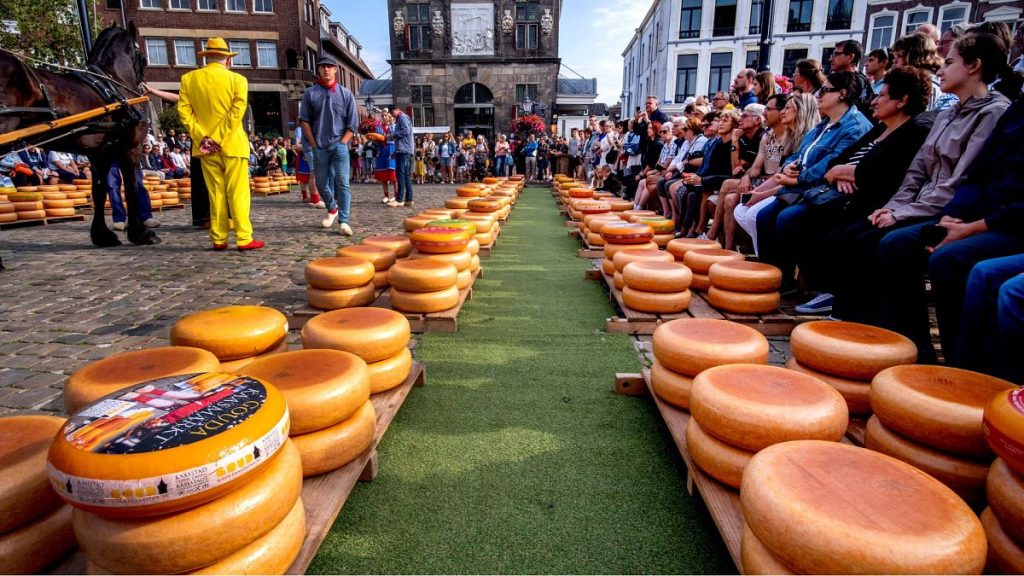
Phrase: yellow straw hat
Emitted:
{"points": [[217, 47]]}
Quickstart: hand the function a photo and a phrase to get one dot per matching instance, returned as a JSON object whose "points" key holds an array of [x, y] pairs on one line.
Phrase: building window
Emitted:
{"points": [[527, 11], [526, 92], [207, 5], [755, 16], [689, 19], [526, 36], [243, 59], [234, 5], [840, 15], [113, 4], [264, 6], [528, 25], [721, 72], [826, 59], [752, 56], [311, 62], [310, 11], [422, 105], [915, 19], [951, 16], [184, 52], [789, 59], [266, 54], [419, 26], [881, 32], [156, 51], [180, 5], [152, 4], [686, 77], [725, 18], [800, 15]]}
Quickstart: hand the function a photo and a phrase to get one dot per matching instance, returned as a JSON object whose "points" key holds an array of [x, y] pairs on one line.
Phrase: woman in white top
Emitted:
{"points": [[501, 165], [607, 143]]}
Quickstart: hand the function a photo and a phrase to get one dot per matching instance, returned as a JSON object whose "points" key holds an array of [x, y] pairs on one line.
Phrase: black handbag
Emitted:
{"points": [[820, 195]]}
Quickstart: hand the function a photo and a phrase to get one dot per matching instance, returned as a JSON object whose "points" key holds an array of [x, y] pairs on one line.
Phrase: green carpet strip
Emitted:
{"points": [[517, 456]]}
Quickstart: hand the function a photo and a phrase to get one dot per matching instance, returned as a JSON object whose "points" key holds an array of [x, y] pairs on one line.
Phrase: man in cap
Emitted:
{"points": [[211, 104], [329, 118], [401, 133]]}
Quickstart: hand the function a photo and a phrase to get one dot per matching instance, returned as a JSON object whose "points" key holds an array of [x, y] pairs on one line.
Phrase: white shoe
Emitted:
{"points": [[386, 200], [151, 223], [328, 220], [396, 204], [346, 230], [119, 225], [319, 204]]}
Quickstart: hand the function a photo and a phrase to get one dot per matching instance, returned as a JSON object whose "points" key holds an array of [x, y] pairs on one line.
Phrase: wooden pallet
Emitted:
{"points": [[444, 321], [589, 251], [323, 496], [485, 251], [42, 221]]}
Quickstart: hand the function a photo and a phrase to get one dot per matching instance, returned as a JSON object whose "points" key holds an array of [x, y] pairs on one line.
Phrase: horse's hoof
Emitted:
{"points": [[104, 238], [144, 238]]}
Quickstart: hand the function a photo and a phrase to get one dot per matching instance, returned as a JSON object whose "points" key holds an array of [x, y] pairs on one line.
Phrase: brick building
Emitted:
{"points": [[887, 20]]}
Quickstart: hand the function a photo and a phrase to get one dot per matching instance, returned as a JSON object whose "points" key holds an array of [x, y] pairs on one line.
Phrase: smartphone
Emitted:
{"points": [[745, 197], [932, 234]]}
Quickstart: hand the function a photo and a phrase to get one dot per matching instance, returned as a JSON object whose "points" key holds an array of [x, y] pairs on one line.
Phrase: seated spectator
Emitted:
{"points": [[607, 181], [648, 188], [716, 167], [152, 163], [689, 158], [808, 76], [180, 165], [64, 168], [170, 170], [920, 51], [763, 86], [992, 323], [35, 160], [651, 154]]}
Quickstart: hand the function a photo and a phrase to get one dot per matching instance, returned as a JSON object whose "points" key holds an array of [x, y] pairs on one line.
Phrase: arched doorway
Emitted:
{"points": [[474, 110]]}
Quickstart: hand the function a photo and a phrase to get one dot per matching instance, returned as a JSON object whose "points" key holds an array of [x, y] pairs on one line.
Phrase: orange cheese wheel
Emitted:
{"points": [[700, 260], [597, 223], [31, 548], [720, 460], [49, 188], [1004, 488], [623, 257], [938, 406], [487, 238], [653, 276], [30, 206], [464, 280], [742, 276], [595, 239], [337, 299], [461, 260], [468, 225], [416, 222], [233, 366], [8, 217], [611, 249], [25, 492], [691, 345], [58, 203], [617, 281], [1005, 555], [27, 196], [473, 247], [830, 508], [856, 393], [51, 196], [422, 275], [700, 282], [273, 553], [595, 217], [31, 214], [380, 280], [1003, 425], [581, 193], [390, 372], [626, 233], [338, 273], [67, 187], [849, 349], [440, 239], [662, 240], [231, 332], [400, 245], [680, 246], [659, 224], [655, 302], [670, 386], [129, 454], [381, 258], [490, 180], [441, 213], [200, 536], [755, 558], [425, 302], [373, 334], [469, 191], [483, 205], [335, 446], [457, 203], [474, 264], [742, 302], [322, 387], [626, 215], [6, 208], [620, 205], [608, 267], [118, 371], [59, 212], [485, 222], [374, 137]]}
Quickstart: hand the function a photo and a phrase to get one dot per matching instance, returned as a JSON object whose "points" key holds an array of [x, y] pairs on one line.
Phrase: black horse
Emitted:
{"points": [[115, 72]]}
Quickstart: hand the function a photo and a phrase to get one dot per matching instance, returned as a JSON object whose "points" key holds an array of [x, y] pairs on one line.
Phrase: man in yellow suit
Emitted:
{"points": [[211, 106]]}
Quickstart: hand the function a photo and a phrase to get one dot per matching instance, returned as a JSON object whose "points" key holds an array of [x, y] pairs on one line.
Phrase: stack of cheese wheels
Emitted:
{"points": [[847, 355], [400, 245], [457, 203], [1004, 519], [686, 347], [490, 206], [377, 335], [653, 282], [680, 246], [119, 371], [328, 396], [814, 507], [471, 190], [57, 204], [740, 409], [339, 282], [261, 185], [381, 257], [664, 228], [618, 261], [577, 195], [425, 285], [458, 258], [83, 190], [487, 227], [35, 525], [619, 236], [744, 287], [29, 205], [700, 260], [7, 211], [156, 194], [185, 189], [590, 227], [418, 221], [236, 335], [931, 418]]}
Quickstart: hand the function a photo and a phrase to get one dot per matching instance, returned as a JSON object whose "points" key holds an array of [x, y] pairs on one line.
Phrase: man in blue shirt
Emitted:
{"points": [[329, 118], [742, 87], [401, 134]]}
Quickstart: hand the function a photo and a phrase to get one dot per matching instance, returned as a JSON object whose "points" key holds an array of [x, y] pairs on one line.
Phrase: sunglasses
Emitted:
{"points": [[828, 89]]}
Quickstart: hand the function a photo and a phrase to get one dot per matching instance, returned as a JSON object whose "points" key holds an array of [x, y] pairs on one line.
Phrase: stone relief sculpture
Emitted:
{"points": [[399, 23], [507, 23], [547, 22], [472, 29], [437, 23]]}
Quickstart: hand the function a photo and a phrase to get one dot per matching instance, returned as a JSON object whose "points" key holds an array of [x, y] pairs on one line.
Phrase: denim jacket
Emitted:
{"points": [[836, 138]]}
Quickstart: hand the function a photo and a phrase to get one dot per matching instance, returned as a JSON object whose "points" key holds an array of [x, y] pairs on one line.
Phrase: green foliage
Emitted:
{"points": [[47, 30], [169, 120]]}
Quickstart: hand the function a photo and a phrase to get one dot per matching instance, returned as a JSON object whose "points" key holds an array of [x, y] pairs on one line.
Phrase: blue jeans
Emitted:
{"points": [[403, 172], [992, 323], [113, 185], [332, 171], [768, 249], [499, 166]]}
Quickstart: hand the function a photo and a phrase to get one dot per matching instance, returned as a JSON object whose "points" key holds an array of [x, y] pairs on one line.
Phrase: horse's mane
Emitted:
{"points": [[102, 52]]}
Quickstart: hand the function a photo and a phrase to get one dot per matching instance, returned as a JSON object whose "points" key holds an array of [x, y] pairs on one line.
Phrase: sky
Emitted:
{"points": [[592, 36]]}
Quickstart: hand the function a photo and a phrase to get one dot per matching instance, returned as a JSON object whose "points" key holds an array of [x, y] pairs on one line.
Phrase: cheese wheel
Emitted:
{"points": [[168, 444], [964, 476], [700, 260], [487, 238], [617, 281], [742, 302], [6, 208], [461, 260], [662, 240], [1004, 488], [233, 366], [856, 393], [425, 302], [755, 558], [376, 137], [337, 299], [373, 334], [620, 205], [381, 258], [660, 225], [390, 372], [598, 223], [51, 196], [743, 276], [652, 276], [58, 204], [422, 275], [485, 222], [655, 302], [457, 203], [626, 215], [274, 553], [441, 213], [938, 406], [1005, 555], [672, 387], [607, 267], [118, 371], [29, 206], [335, 446], [33, 547], [680, 246], [474, 264], [473, 247], [25, 492], [440, 240], [59, 212], [691, 345], [322, 387], [31, 214], [627, 233], [49, 188], [200, 536], [611, 249], [231, 332], [468, 225], [581, 193], [849, 349], [594, 239], [8, 217], [338, 273], [380, 280], [700, 282], [483, 205], [1003, 425], [400, 245], [623, 257], [831, 508], [469, 191], [416, 222], [720, 460], [464, 280]]}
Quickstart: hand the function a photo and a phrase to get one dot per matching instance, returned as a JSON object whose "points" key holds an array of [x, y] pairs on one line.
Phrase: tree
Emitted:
{"points": [[169, 120], [47, 30]]}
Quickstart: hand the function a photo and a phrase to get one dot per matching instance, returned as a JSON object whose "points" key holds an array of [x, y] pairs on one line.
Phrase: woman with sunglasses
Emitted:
{"points": [[650, 153], [648, 186]]}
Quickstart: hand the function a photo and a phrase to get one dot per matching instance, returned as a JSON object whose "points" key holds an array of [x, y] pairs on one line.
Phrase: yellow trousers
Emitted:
{"points": [[227, 180]]}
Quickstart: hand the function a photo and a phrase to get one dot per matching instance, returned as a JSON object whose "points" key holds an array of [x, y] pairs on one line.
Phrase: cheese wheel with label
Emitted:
{"points": [[338, 273], [400, 245], [422, 275], [856, 393], [231, 332], [484, 205], [623, 257], [233, 366], [335, 446], [680, 246], [720, 460], [434, 239], [373, 334], [691, 345], [831, 508], [198, 537], [742, 302], [390, 372], [753, 406], [118, 371], [425, 302], [743, 276], [337, 299], [938, 406], [849, 349], [655, 302], [1003, 424], [31, 548], [755, 558], [670, 276], [322, 387], [25, 492], [672, 387], [381, 258], [700, 260], [461, 260], [1005, 556], [1004, 488], [964, 476]]}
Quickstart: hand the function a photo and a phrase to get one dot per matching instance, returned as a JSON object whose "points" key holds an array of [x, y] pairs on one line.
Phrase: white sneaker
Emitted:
{"points": [[346, 230], [386, 200], [119, 225], [151, 223], [319, 204], [328, 220], [396, 204]]}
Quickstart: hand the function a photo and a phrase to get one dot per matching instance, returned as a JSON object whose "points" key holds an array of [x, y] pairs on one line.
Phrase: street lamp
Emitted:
{"points": [[369, 105]]}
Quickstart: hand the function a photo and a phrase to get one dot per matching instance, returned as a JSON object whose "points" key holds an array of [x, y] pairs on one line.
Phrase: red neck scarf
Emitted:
{"points": [[330, 87]]}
